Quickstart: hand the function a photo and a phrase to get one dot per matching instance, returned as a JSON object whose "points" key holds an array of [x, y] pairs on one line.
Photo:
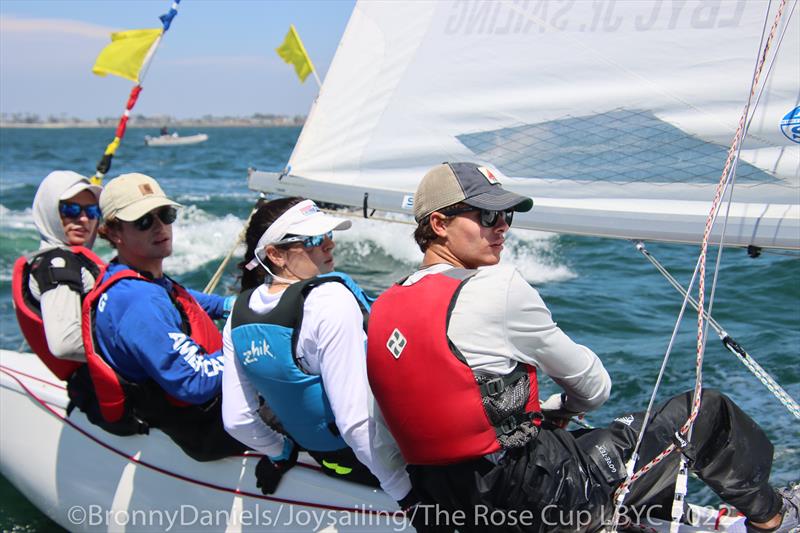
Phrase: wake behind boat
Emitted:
{"points": [[175, 140]]}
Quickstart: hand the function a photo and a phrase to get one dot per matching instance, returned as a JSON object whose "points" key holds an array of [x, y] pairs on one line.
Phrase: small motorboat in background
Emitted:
{"points": [[175, 140]]}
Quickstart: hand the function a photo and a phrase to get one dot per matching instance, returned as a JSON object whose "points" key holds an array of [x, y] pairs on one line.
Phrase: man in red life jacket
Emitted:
{"points": [[154, 353], [453, 356]]}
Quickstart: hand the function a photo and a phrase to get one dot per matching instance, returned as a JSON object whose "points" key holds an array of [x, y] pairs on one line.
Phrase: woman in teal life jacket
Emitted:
{"points": [[296, 340]]}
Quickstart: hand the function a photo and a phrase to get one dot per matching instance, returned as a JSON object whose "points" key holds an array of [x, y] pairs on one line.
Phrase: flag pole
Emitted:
{"points": [[104, 165], [316, 78], [293, 52]]}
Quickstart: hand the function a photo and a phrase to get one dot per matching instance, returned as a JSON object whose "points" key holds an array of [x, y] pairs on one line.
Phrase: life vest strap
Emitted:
{"points": [[65, 271], [497, 385], [511, 423], [119, 402]]}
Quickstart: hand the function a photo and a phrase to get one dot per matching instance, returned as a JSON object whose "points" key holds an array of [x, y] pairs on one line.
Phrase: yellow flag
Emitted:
{"points": [[293, 52], [126, 53]]}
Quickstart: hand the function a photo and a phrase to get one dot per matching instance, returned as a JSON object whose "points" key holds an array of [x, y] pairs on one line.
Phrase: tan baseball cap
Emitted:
{"points": [[475, 185], [131, 196]]}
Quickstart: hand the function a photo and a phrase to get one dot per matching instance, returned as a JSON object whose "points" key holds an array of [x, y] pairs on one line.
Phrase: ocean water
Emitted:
{"points": [[602, 292]]}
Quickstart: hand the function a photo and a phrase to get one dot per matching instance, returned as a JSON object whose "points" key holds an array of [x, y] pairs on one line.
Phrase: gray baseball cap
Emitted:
{"points": [[451, 183]]}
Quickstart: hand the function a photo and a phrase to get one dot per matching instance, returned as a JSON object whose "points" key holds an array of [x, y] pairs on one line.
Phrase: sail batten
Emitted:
{"points": [[616, 121]]}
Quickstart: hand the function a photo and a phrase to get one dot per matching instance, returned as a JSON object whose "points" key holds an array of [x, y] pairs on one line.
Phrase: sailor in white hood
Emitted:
{"points": [[66, 214]]}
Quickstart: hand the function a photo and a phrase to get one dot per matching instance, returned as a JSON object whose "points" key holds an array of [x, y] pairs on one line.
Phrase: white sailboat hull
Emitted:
{"points": [[175, 140], [88, 480]]}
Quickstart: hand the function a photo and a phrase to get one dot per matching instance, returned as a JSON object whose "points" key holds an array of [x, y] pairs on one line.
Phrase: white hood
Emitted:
{"points": [[58, 185]]}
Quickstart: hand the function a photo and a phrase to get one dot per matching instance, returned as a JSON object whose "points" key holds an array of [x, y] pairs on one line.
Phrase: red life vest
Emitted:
{"points": [[431, 400], [29, 314], [109, 386]]}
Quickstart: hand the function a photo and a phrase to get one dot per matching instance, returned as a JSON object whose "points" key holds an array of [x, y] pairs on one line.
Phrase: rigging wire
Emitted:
{"points": [[734, 167], [217, 276], [727, 173], [730, 344], [622, 490], [777, 47], [681, 480], [683, 469], [135, 459]]}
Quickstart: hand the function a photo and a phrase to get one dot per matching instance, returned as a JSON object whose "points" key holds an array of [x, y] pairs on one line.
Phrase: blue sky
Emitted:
{"points": [[218, 58]]}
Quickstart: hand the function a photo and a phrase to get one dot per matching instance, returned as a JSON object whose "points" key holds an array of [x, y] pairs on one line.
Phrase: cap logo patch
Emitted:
{"points": [[488, 175], [145, 189], [309, 210]]}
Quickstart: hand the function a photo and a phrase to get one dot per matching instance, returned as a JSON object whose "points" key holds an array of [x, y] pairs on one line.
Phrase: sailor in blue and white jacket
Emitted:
{"points": [[139, 331], [157, 337]]}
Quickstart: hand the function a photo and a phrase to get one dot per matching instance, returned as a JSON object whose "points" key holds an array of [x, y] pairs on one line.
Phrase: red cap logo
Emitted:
{"points": [[488, 175]]}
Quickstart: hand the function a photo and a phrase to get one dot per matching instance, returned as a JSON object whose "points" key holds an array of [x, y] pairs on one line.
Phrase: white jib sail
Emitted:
{"points": [[615, 117]]}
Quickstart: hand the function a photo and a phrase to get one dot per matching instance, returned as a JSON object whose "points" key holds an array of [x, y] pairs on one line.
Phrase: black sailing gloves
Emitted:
{"points": [[270, 470]]}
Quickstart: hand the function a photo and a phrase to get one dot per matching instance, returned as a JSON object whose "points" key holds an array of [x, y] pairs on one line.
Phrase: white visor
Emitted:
{"points": [[303, 219]]}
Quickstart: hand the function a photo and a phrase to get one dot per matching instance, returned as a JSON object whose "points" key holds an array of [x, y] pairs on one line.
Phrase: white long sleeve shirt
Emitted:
{"points": [[499, 320], [331, 344]]}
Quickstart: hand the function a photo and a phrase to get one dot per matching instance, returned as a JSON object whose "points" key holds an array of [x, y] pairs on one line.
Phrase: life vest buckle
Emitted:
{"points": [[493, 387]]}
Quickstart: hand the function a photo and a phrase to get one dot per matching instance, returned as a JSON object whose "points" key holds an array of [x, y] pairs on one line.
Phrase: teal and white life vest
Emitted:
{"points": [[265, 346]]}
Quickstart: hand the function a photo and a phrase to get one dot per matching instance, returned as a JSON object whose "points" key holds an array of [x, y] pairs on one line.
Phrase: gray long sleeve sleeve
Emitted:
{"points": [[500, 319]]}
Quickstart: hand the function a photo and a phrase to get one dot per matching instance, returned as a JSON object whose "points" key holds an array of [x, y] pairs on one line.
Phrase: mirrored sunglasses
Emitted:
{"points": [[74, 209], [487, 217], [166, 215], [308, 242]]}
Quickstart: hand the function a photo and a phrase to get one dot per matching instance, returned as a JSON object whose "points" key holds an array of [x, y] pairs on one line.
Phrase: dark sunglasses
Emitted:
{"points": [[308, 242], [167, 215], [487, 218], [73, 210]]}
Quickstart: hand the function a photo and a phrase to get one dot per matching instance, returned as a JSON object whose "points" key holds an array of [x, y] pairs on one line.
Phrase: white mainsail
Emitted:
{"points": [[616, 117]]}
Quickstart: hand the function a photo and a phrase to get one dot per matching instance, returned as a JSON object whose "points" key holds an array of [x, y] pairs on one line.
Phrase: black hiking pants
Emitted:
{"points": [[197, 429], [564, 481]]}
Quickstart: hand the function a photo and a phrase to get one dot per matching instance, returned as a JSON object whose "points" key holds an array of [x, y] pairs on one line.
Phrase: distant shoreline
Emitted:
{"points": [[172, 127]]}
